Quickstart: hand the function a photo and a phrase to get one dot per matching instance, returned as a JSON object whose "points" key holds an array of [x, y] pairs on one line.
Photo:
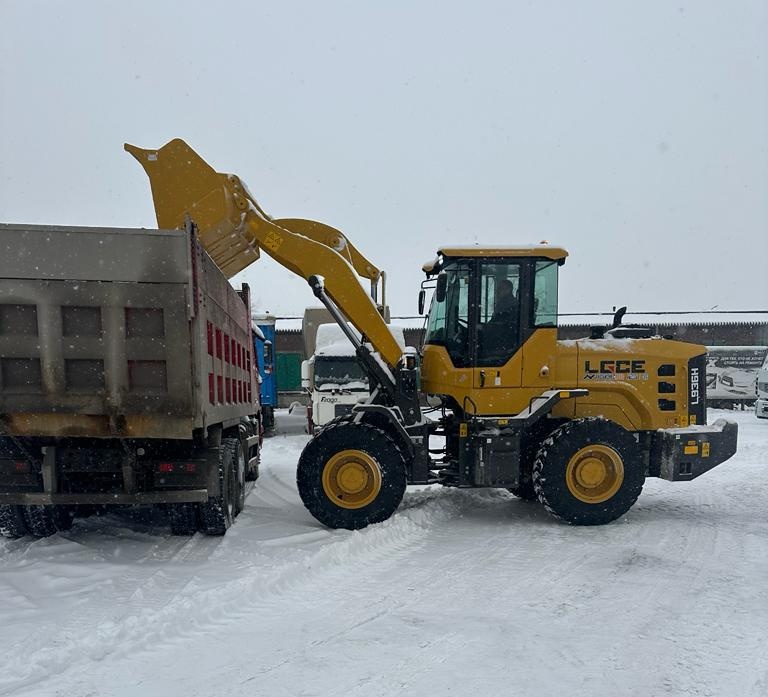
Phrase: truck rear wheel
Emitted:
{"points": [[239, 465], [183, 518], [351, 475], [218, 512], [12, 523], [44, 521], [588, 472]]}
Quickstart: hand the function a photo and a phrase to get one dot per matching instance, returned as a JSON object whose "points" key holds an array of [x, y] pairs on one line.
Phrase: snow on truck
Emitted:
{"points": [[126, 378]]}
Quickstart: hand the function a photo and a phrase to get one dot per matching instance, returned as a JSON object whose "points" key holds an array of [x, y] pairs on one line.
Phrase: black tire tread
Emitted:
{"points": [[183, 518], [562, 443], [214, 517], [337, 435], [39, 520], [12, 523], [532, 441]]}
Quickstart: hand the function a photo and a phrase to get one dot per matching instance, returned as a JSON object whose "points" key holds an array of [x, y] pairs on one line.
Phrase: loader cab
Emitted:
{"points": [[490, 307]]}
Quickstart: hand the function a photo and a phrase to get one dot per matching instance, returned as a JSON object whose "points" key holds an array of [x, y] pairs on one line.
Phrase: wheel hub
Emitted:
{"points": [[351, 479], [594, 473]]}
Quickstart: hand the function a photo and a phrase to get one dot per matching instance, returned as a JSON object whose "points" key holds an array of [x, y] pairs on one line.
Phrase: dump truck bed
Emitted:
{"points": [[110, 333]]}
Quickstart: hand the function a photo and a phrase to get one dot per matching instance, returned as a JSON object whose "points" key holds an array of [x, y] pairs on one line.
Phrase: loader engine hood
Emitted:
{"points": [[655, 382]]}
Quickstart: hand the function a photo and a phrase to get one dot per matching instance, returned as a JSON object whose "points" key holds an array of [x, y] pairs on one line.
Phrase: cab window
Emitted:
{"points": [[545, 294]]}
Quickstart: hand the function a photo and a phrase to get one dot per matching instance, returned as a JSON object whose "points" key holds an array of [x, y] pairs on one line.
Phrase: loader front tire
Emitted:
{"points": [[351, 475], [588, 472]]}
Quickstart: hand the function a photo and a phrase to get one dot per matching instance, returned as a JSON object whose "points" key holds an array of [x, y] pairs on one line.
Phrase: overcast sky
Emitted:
{"points": [[635, 134]]}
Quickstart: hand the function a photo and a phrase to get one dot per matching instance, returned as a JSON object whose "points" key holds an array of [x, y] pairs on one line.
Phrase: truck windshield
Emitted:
{"points": [[339, 374]]}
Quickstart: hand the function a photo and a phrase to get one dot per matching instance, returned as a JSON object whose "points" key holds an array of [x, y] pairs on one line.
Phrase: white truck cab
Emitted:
{"points": [[761, 404], [332, 376]]}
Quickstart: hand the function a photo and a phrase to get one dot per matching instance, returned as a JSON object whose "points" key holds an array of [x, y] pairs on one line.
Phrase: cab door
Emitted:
{"points": [[497, 359]]}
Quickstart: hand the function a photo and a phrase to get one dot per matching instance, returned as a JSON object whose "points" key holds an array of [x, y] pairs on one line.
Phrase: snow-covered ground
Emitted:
{"points": [[460, 593]]}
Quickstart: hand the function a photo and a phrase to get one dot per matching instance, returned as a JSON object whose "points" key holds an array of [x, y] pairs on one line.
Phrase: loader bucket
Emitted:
{"points": [[183, 184]]}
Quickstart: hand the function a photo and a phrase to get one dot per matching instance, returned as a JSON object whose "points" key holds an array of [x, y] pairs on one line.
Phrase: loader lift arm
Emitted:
{"points": [[233, 228]]}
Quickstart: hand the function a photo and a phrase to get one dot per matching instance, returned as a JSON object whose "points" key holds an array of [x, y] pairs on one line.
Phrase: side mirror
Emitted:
{"points": [[422, 298], [442, 285]]}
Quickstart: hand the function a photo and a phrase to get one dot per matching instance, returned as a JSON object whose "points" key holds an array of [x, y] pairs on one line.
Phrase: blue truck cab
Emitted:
{"points": [[264, 350]]}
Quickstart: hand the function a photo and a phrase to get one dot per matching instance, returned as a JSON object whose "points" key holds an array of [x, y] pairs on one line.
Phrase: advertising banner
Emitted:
{"points": [[732, 372]]}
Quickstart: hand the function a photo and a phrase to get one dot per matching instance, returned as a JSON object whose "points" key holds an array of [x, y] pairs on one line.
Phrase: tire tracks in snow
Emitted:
{"points": [[162, 608]]}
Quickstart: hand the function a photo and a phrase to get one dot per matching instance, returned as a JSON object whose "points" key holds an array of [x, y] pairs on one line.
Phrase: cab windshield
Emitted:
{"points": [[448, 320], [339, 373]]}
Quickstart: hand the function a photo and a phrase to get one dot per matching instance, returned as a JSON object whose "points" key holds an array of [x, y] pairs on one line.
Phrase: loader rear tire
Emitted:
{"points": [[532, 441], [589, 472], [351, 475], [12, 523], [524, 490], [218, 513]]}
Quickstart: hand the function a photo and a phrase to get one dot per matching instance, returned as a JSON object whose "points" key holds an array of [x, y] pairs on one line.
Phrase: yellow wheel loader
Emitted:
{"points": [[578, 425]]}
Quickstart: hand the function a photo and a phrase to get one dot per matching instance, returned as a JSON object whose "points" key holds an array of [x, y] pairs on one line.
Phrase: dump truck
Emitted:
{"points": [[577, 425], [127, 378]]}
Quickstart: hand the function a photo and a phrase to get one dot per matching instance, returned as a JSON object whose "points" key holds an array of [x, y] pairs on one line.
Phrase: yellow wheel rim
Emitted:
{"points": [[351, 479], [594, 474]]}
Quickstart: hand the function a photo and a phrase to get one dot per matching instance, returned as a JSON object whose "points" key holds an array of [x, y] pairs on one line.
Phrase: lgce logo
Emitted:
{"points": [[611, 366], [611, 369]]}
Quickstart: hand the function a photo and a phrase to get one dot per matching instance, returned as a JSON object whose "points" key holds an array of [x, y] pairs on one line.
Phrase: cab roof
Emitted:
{"points": [[545, 251]]}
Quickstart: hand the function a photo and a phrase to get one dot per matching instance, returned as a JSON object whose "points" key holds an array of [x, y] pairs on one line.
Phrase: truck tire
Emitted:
{"points": [[183, 519], [251, 473], [44, 521], [63, 517], [269, 419], [351, 475], [12, 523], [239, 465], [588, 472], [218, 512]]}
